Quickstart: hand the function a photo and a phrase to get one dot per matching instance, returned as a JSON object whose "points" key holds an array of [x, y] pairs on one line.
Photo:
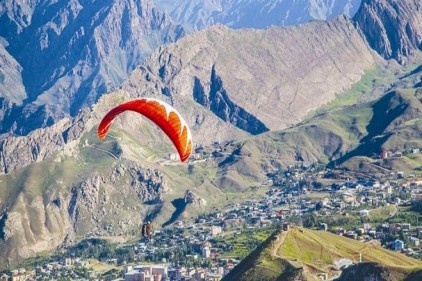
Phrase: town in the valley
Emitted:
{"points": [[308, 195]]}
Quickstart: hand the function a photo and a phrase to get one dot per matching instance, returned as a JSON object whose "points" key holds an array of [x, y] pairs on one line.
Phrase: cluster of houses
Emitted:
{"points": [[407, 239], [386, 153], [64, 268], [20, 274], [152, 272], [280, 205]]}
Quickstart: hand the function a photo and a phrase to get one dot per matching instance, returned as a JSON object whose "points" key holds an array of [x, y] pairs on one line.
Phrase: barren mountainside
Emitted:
{"points": [[65, 55], [256, 80]]}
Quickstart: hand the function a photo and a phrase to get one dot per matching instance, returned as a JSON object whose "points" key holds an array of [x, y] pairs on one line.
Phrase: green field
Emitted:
{"points": [[303, 253], [321, 249]]}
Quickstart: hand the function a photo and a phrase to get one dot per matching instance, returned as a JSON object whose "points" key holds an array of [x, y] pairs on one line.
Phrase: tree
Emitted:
{"points": [[317, 185], [191, 169]]}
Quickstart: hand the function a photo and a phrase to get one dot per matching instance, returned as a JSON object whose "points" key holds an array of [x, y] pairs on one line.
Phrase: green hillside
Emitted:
{"points": [[304, 253]]}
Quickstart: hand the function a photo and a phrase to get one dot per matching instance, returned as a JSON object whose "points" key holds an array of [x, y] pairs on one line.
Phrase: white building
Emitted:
{"points": [[215, 230], [206, 252], [364, 213], [147, 273]]}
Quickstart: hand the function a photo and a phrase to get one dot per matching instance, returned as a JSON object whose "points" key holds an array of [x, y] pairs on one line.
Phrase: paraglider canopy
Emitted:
{"points": [[162, 114]]}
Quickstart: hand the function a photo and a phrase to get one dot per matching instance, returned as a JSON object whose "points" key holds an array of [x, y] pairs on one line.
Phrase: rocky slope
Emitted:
{"points": [[78, 189], [11, 84], [63, 56], [197, 15], [59, 213], [256, 80], [392, 27]]}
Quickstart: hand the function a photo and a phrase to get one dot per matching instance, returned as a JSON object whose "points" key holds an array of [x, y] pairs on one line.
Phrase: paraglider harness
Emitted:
{"points": [[146, 230]]}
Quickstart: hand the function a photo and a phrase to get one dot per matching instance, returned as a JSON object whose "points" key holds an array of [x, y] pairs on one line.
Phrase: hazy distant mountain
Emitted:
{"points": [[61, 56], [198, 14]]}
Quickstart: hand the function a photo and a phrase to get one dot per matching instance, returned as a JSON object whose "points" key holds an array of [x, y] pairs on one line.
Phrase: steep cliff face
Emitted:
{"points": [[69, 53], [11, 84], [19, 151], [393, 28], [266, 79], [218, 101]]}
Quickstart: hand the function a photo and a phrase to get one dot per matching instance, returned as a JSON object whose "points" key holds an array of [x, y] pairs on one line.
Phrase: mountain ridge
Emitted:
{"points": [[61, 87]]}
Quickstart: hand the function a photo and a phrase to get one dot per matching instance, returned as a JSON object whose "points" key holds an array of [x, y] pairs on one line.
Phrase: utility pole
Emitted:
{"points": [[300, 205]]}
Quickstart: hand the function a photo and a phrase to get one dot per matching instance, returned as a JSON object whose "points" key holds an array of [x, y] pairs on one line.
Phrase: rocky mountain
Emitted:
{"points": [[255, 80], [84, 50], [351, 138], [64, 211], [197, 15], [79, 188], [392, 28], [59, 57], [223, 90]]}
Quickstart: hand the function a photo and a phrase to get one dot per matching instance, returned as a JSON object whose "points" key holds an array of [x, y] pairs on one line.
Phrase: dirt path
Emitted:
{"points": [[281, 238], [277, 243]]}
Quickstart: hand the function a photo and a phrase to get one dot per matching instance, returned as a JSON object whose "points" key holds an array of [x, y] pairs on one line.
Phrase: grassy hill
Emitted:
{"points": [[304, 253]]}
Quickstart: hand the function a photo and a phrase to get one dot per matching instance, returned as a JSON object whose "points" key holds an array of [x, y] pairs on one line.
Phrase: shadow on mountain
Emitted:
{"points": [[375, 271], [3, 219], [219, 102], [414, 71], [385, 111], [151, 215], [231, 159], [180, 206]]}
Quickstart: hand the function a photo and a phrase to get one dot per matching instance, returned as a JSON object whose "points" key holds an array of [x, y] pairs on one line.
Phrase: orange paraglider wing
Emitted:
{"points": [[162, 114]]}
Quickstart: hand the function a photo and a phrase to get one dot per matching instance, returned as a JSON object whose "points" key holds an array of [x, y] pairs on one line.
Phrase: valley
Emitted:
{"points": [[366, 219]]}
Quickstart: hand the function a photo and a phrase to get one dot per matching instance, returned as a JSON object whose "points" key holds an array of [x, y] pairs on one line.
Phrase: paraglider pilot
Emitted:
{"points": [[147, 230]]}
